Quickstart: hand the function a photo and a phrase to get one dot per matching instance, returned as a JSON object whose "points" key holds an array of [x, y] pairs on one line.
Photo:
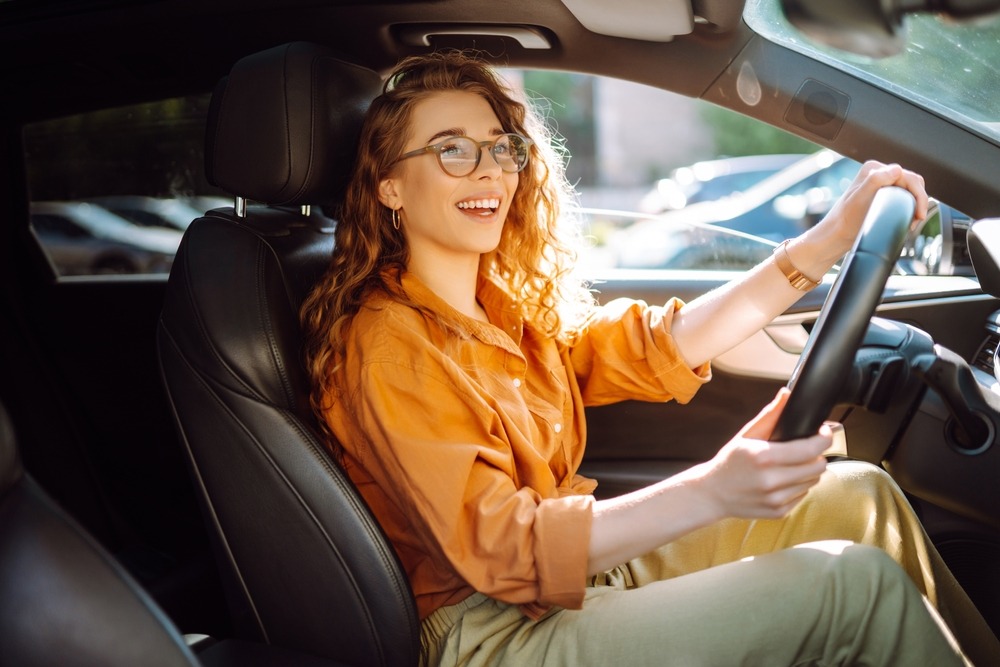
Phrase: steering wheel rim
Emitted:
{"points": [[826, 360]]}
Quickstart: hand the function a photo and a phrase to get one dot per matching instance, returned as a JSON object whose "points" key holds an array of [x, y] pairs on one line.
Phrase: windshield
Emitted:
{"points": [[946, 67]]}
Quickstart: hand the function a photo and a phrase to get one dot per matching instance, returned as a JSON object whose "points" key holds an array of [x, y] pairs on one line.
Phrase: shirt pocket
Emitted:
{"points": [[547, 399]]}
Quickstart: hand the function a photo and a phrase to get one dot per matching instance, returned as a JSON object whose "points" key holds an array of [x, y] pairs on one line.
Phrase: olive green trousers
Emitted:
{"points": [[847, 578]]}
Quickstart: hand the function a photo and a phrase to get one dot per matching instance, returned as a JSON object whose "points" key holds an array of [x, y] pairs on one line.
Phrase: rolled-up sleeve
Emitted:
{"points": [[627, 351], [562, 557]]}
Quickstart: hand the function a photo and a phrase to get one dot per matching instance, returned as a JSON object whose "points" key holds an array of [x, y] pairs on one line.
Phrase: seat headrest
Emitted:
{"points": [[10, 461], [283, 127]]}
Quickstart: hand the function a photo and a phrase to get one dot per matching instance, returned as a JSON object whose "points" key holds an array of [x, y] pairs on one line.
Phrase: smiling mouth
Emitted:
{"points": [[481, 206]]}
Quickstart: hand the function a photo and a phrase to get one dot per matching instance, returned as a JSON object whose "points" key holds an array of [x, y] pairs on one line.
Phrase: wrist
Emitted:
{"points": [[815, 252], [701, 483], [797, 279]]}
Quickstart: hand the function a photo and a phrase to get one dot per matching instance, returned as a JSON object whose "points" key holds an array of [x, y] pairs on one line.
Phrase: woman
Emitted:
{"points": [[452, 353]]}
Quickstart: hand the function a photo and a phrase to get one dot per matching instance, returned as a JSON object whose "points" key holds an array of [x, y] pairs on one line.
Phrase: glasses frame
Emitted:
{"points": [[436, 149]]}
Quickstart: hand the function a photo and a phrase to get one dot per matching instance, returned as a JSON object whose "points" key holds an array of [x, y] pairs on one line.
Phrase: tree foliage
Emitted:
{"points": [[737, 135]]}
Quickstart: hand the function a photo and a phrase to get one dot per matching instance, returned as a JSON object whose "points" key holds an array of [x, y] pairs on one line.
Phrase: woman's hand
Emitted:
{"points": [[753, 478], [841, 225], [749, 478]]}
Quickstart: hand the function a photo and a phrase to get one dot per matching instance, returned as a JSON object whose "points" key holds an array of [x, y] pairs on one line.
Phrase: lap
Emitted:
{"points": [[790, 607], [791, 590], [840, 507]]}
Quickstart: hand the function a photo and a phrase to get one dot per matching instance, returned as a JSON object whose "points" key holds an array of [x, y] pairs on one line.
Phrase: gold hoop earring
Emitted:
{"points": [[395, 219]]}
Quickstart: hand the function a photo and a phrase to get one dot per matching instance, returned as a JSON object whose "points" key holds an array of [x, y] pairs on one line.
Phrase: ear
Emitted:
{"points": [[388, 193]]}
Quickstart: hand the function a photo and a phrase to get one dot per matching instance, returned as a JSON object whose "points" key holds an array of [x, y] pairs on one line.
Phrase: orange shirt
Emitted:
{"points": [[466, 447]]}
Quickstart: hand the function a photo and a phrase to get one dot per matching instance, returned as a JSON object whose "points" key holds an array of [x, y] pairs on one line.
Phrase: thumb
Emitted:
{"points": [[761, 426]]}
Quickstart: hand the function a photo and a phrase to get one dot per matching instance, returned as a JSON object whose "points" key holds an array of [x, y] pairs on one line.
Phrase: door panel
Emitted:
{"points": [[632, 444], [99, 436]]}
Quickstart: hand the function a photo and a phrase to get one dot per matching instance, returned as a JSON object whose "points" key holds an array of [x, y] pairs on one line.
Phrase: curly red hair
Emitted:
{"points": [[534, 258]]}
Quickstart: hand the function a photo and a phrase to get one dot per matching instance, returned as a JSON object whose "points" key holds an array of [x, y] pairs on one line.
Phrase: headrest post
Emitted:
{"points": [[241, 207], [306, 210]]}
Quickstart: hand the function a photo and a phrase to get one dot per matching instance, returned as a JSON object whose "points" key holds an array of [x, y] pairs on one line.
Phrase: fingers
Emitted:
{"points": [[796, 452], [756, 478], [875, 175], [782, 486]]}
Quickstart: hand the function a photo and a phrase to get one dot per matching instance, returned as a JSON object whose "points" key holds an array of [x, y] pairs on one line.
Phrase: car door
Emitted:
{"points": [[80, 369], [632, 444]]}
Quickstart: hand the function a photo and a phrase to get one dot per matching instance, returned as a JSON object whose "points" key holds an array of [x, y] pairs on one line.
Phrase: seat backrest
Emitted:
{"points": [[304, 563], [63, 599]]}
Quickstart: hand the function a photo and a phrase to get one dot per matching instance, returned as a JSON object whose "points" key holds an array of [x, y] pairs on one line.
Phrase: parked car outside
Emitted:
{"points": [[708, 180], [779, 207], [203, 203], [85, 239], [679, 245], [694, 246], [150, 211]]}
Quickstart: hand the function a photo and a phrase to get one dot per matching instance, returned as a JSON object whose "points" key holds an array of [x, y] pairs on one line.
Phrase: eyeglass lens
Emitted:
{"points": [[460, 155]]}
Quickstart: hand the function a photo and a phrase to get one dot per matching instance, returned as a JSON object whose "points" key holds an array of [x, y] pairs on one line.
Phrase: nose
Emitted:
{"points": [[489, 166]]}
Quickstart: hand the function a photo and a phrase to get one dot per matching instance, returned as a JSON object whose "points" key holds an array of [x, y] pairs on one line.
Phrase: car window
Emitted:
{"points": [[56, 227], [112, 190], [947, 66], [636, 155]]}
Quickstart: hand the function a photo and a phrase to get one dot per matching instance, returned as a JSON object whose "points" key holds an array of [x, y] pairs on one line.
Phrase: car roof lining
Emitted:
{"points": [[111, 65]]}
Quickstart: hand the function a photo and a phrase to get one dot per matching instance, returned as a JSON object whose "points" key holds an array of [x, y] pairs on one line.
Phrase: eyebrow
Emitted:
{"points": [[458, 132]]}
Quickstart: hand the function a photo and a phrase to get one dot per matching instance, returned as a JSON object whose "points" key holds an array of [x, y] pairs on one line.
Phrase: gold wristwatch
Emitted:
{"points": [[796, 278]]}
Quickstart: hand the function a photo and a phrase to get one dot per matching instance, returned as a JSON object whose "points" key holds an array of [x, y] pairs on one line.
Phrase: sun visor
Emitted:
{"points": [[650, 20]]}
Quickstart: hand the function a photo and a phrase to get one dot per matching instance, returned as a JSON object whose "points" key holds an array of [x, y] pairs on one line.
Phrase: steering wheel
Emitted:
{"points": [[828, 355]]}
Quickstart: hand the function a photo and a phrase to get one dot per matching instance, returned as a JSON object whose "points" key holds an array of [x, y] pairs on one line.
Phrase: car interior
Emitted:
{"points": [[165, 494]]}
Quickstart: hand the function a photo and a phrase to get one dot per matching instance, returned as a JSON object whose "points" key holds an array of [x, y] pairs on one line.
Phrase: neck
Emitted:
{"points": [[454, 282]]}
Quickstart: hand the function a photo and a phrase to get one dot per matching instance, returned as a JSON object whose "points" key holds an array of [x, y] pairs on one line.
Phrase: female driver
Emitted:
{"points": [[452, 355]]}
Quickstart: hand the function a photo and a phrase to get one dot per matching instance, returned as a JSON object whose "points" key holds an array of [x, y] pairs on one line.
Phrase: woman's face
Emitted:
{"points": [[447, 218]]}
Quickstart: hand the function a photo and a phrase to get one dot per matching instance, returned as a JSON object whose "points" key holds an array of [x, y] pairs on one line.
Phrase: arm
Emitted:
{"points": [[749, 478], [750, 303]]}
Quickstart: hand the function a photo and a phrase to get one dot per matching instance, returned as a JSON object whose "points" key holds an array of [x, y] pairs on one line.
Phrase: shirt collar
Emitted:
{"points": [[506, 326]]}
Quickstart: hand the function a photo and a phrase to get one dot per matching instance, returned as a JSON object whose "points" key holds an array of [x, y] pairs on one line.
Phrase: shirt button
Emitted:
{"points": [[517, 382], [558, 428]]}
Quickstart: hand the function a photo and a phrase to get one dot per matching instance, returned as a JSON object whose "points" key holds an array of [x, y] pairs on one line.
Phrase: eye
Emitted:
{"points": [[457, 148], [451, 149]]}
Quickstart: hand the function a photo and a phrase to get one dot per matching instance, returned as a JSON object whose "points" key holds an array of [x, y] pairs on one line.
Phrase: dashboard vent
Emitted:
{"points": [[984, 357]]}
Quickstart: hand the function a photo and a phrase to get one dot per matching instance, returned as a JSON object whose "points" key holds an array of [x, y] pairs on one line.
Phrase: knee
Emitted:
{"points": [[857, 485], [855, 559], [858, 475], [854, 569]]}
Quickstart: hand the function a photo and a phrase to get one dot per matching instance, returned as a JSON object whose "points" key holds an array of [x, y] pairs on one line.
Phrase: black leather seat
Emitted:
{"points": [[63, 599], [304, 563]]}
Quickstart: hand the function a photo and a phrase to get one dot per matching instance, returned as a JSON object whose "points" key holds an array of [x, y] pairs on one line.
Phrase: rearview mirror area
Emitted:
{"points": [[872, 29]]}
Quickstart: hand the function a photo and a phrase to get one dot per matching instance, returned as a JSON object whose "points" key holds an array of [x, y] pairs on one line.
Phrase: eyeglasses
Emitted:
{"points": [[459, 156]]}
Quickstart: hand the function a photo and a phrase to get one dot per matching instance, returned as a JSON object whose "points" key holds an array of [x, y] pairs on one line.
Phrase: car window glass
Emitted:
{"points": [[709, 189], [54, 226], [670, 182], [948, 66], [112, 190]]}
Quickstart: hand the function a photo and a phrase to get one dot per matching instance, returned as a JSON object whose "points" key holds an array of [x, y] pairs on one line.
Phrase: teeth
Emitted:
{"points": [[480, 203]]}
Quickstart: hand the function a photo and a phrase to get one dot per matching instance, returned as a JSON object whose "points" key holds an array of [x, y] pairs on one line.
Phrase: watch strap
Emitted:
{"points": [[796, 278]]}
